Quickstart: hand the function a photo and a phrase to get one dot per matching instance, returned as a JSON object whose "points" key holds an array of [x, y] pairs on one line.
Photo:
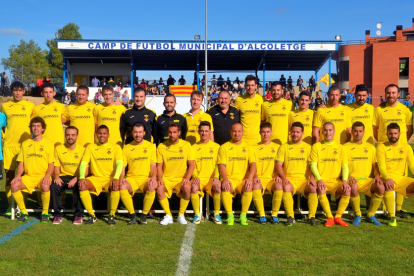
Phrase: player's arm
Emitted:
{"points": [[377, 175], [315, 134], [252, 172], [57, 180], [121, 178], [189, 173], [314, 168], [153, 179], [46, 180], [159, 175], [18, 177], [122, 127], [375, 131], [410, 160], [281, 173]]}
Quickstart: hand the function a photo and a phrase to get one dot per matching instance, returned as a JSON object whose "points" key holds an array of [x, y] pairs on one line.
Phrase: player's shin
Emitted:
{"points": [[115, 196], [87, 201], [313, 204], [343, 204], [399, 200], [288, 203], [195, 201], [325, 205], [217, 203], [127, 200], [356, 205], [276, 202], [227, 202], [18, 197], [375, 203], [148, 201], [45, 202], [246, 201], [258, 202], [9, 195], [183, 206], [389, 202], [165, 206]]}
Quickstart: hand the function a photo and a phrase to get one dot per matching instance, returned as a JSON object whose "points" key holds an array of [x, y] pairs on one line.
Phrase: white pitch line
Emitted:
{"points": [[186, 252]]}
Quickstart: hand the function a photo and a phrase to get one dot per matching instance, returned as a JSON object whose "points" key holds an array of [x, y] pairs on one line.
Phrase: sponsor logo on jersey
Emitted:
{"points": [[232, 158], [103, 159], [175, 158]]}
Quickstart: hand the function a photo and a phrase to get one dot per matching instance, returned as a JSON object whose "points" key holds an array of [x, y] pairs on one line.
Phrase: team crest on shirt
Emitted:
{"points": [[335, 152], [114, 112], [401, 151], [342, 113], [398, 113], [284, 108], [365, 150], [366, 110], [211, 151], [55, 110], [76, 157], [302, 151], [244, 150], [146, 118], [109, 151], [307, 118], [273, 150], [145, 151], [199, 120], [257, 104], [181, 150], [41, 150], [89, 110], [232, 116], [23, 109]]}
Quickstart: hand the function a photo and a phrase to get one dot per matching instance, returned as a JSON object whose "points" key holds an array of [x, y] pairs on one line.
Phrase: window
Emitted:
{"points": [[343, 70], [404, 65]]}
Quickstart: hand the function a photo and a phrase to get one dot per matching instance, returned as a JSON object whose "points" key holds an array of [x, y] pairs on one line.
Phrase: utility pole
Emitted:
{"points": [[205, 68]]}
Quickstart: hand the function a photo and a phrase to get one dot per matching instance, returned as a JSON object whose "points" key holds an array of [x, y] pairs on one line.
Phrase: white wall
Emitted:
{"points": [[93, 90]]}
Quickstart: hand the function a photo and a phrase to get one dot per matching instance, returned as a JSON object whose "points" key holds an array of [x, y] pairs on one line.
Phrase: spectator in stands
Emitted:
{"points": [[343, 95], [95, 82], [213, 97], [126, 84], [235, 86], [258, 82], [203, 82], [312, 103], [119, 88], [234, 96], [136, 80], [143, 84], [67, 100], [290, 83], [282, 80], [125, 99], [268, 95], [241, 88], [64, 95], [155, 90], [213, 82], [98, 96], [299, 82], [160, 84], [103, 82], [16, 78], [225, 87], [308, 89], [318, 102], [170, 80], [111, 82], [73, 97], [76, 84], [287, 95], [267, 87], [220, 81], [236, 81], [182, 81], [228, 81], [292, 94], [312, 84]]}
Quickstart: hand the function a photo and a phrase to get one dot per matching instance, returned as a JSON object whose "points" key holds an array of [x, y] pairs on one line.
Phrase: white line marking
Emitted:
{"points": [[186, 252]]}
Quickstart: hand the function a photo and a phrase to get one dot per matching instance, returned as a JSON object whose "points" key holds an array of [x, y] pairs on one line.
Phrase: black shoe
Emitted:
{"points": [[111, 220], [143, 219], [91, 220], [45, 218], [313, 222], [402, 214], [23, 218], [290, 221], [132, 219]]}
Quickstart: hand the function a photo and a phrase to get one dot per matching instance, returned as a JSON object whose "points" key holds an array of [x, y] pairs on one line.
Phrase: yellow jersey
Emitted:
{"points": [[306, 118], [250, 116], [193, 122], [174, 158], [18, 120], [206, 155], [237, 159], [277, 113], [102, 158], [36, 157], [52, 114], [68, 160], [365, 115], [111, 117], [360, 159], [139, 158], [295, 159], [330, 159], [339, 116], [385, 115], [81, 117], [265, 156], [395, 157]]}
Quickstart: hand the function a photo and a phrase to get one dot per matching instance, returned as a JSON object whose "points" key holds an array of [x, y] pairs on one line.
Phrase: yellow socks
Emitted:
{"points": [[375, 203], [195, 201], [227, 202], [258, 202], [312, 204], [325, 205], [183, 206], [18, 197], [343, 203], [115, 196], [217, 203], [9, 195], [356, 205], [399, 202], [246, 200], [148, 201], [389, 203], [127, 200], [87, 201], [276, 202], [288, 203], [166, 206], [45, 202]]}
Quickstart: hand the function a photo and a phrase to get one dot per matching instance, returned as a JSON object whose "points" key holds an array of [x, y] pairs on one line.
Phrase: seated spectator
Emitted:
{"points": [[234, 96], [225, 87], [235, 86], [111, 82], [241, 88], [228, 81], [125, 99], [213, 97], [67, 99], [268, 95], [213, 82], [126, 84], [182, 81], [170, 80], [98, 96], [73, 97], [143, 84], [155, 90], [282, 80], [292, 95], [287, 95], [289, 83], [312, 103], [203, 82], [220, 81], [236, 81]]}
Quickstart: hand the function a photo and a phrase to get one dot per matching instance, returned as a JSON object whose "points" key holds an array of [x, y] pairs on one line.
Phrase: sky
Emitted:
{"points": [[181, 20]]}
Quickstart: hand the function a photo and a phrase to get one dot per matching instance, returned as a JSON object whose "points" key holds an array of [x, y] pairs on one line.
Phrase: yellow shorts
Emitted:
{"points": [[100, 183], [332, 186], [237, 185], [401, 184], [10, 157], [299, 184], [32, 182], [206, 185], [267, 184], [137, 183], [364, 186], [171, 185]]}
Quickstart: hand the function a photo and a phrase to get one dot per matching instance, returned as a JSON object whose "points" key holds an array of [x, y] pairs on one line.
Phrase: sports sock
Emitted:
{"points": [[276, 202], [375, 203], [217, 203], [258, 201], [127, 200], [9, 194], [18, 197], [148, 201], [399, 202], [183, 206], [312, 204], [165, 206], [227, 202], [325, 205], [115, 196], [246, 200], [288, 203], [45, 202], [356, 205], [343, 203], [195, 201], [389, 202], [87, 201], [63, 198]]}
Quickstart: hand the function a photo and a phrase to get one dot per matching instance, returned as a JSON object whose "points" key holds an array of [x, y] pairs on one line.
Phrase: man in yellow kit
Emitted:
{"points": [[265, 156], [109, 114], [175, 166], [362, 162], [327, 159], [304, 115], [294, 170], [276, 111], [105, 163], [18, 113], [237, 166], [36, 162], [337, 114], [250, 107], [393, 157], [194, 118], [80, 115], [140, 157], [205, 175]]}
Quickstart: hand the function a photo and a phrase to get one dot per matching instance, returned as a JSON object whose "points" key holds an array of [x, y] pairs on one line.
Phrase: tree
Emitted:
{"points": [[55, 58], [31, 57]]}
